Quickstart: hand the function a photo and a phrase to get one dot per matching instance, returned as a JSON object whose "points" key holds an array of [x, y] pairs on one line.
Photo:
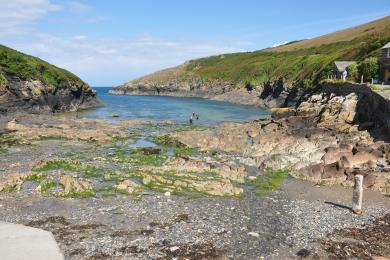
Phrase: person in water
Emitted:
{"points": [[190, 120], [197, 116]]}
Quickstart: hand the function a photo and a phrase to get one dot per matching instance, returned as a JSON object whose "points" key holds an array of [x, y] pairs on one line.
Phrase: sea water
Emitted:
{"points": [[178, 109]]}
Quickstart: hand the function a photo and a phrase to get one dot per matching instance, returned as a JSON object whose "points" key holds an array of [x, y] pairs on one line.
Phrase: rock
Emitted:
{"points": [[167, 194], [174, 248], [129, 186], [278, 113], [253, 234], [333, 154], [13, 180], [334, 171], [303, 253], [313, 172], [72, 184]]}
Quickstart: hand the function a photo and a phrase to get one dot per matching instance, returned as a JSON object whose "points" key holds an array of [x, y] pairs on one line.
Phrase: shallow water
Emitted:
{"points": [[143, 143], [171, 108]]}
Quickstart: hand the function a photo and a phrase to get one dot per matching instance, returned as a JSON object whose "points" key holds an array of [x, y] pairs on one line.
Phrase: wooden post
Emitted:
{"points": [[361, 80], [357, 197]]}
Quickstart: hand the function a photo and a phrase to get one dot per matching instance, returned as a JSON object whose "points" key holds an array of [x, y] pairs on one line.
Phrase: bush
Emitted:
{"points": [[368, 68], [353, 72], [3, 82]]}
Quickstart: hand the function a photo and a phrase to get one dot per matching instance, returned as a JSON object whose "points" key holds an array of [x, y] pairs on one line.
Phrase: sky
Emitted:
{"points": [[107, 43]]}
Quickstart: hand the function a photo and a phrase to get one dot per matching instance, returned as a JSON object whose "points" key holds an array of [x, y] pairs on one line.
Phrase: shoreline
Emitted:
{"points": [[171, 200], [238, 96]]}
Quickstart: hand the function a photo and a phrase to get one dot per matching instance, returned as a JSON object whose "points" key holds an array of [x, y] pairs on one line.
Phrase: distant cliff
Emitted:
{"points": [[272, 77], [31, 84]]}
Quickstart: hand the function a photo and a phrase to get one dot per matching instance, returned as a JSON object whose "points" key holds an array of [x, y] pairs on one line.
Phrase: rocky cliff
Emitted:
{"points": [[344, 106], [30, 84]]}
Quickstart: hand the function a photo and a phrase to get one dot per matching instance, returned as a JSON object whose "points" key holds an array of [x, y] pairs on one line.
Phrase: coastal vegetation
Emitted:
{"points": [[303, 67], [301, 63], [26, 67]]}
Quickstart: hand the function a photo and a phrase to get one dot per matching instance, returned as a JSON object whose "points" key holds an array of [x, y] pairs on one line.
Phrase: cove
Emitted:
{"points": [[178, 109]]}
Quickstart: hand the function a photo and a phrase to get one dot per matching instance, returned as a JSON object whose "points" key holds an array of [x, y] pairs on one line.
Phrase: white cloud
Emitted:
{"points": [[102, 61], [279, 44], [99, 61], [97, 19], [78, 7], [18, 16]]}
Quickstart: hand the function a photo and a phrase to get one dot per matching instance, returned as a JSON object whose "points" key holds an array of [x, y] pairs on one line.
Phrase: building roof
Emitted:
{"points": [[342, 65], [386, 46]]}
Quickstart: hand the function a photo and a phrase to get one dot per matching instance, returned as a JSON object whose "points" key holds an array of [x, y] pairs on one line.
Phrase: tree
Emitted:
{"points": [[353, 72], [368, 68]]}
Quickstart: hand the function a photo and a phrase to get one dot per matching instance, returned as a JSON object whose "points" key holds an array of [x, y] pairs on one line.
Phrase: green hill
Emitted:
{"points": [[30, 83], [23, 66], [300, 63]]}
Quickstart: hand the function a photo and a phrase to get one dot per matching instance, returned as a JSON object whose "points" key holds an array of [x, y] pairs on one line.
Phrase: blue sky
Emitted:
{"points": [[110, 42]]}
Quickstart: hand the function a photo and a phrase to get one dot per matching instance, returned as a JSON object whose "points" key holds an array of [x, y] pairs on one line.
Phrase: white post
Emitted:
{"points": [[361, 80], [357, 197]]}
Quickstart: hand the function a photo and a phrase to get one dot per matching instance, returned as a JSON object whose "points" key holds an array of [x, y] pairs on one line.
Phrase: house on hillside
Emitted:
{"points": [[341, 68], [384, 64]]}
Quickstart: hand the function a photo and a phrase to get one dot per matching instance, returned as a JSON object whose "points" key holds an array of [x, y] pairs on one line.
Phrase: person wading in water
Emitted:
{"points": [[190, 120]]}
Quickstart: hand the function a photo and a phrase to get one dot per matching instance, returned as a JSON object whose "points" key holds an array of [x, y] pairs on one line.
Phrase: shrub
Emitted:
{"points": [[368, 68], [3, 82], [353, 72]]}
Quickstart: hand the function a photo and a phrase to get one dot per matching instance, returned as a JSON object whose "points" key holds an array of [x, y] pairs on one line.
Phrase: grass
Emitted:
{"points": [[268, 181], [3, 82], [28, 67], [301, 68]]}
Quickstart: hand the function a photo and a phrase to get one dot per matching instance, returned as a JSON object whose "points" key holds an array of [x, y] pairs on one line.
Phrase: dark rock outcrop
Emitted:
{"points": [[35, 96]]}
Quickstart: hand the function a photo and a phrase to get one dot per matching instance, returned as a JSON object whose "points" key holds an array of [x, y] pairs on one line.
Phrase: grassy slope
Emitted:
{"points": [[23, 66], [343, 35], [303, 62]]}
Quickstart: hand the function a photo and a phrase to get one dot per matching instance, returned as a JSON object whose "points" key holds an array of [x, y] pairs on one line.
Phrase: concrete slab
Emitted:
{"points": [[18, 242]]}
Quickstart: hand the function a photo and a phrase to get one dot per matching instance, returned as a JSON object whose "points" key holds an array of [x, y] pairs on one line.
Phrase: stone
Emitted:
{"points": [[253, 234], [72, 184], [128, 185], [13, 180], [174, 248]]}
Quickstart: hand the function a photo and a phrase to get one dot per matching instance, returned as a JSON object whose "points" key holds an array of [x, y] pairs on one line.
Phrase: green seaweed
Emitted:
{"points": [[37, 177], [46, 185], [51, 137], [78, 194], [87, 170], [268, 181], [10, 188]]}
